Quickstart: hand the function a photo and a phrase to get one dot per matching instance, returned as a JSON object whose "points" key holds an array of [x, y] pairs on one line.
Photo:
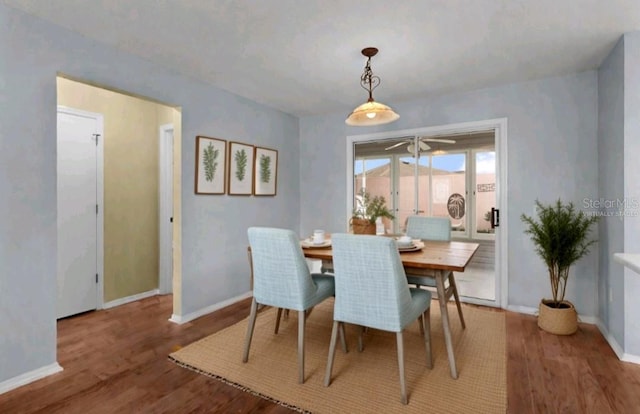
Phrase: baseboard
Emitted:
{"points": [[619, 351], [534, 311], [29, 377], [610, 339], [523, 309], [131, 298], [180, 319]]}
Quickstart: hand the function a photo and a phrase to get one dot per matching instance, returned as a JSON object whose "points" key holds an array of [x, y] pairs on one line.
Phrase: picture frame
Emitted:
{"points": [[211, 165], [240, 173], [265, 180]]}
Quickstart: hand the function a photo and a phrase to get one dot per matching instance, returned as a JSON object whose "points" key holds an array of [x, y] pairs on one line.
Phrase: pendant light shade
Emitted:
{"points": [[370, 112]]}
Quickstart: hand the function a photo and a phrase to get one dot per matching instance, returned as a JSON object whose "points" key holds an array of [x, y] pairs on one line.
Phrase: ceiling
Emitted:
{"points": [[303, 57]]}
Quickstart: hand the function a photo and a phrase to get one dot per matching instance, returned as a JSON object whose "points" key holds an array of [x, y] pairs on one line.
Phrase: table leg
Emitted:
{"points": [[442, 299]]}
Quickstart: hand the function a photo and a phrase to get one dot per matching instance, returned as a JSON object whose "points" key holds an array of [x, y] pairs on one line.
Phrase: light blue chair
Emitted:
{"points": [[372, 292], [281, 279], [438, 229]]}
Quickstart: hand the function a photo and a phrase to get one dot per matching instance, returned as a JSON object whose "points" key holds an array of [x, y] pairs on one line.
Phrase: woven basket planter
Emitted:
{"points": [[362, 226], [558, 321]]}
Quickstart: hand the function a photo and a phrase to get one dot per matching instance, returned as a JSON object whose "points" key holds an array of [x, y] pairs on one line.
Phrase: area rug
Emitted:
{"points": [[362, 382]]}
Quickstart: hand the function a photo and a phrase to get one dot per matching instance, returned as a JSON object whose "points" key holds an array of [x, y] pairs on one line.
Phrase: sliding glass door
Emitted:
{"points": [[454, 176]]}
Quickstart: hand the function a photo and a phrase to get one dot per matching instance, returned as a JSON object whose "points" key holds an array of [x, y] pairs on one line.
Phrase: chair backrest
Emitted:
{"points": [[429, 228], [281, 277], [371, 286]]}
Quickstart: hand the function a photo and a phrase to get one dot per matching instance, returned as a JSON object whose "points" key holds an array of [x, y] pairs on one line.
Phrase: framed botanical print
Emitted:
{"points": [[240, 174], [211, 157], [265, 172]]}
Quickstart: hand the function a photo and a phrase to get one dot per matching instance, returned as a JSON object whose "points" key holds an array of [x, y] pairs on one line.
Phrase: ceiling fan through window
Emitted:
{"points": [[422, 144]]}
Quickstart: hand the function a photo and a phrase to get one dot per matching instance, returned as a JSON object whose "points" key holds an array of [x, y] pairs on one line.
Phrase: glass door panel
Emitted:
{"points": [[373, 175], [449, 190], [485, 192], [406, 194]]}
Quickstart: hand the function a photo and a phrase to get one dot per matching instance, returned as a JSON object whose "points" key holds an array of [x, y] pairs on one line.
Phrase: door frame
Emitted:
{"points": [[99, 118], [165, 194], [499, 125]]}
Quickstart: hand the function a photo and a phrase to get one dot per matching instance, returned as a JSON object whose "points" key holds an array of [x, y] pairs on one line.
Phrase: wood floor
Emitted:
{"points": [[115, 361]]}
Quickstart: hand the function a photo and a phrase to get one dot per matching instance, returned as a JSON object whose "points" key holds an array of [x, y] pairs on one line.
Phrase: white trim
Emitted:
{"points": [[634, 359], [611, 340], [478, 301], [131, 298], [523, 309], [499, 125], [99, 196], [180, 319], [622, 356], [165, 203], [28, 377]]}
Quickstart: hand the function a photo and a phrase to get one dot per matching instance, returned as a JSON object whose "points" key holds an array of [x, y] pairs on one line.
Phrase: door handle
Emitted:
{"points": [[495, 217]]}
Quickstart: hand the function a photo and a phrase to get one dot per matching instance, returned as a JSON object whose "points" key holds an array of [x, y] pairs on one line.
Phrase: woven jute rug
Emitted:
{"points": [[362, 382]]}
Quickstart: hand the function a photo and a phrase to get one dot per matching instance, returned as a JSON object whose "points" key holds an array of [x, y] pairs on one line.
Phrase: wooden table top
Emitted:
{"points": [[438, 255]]}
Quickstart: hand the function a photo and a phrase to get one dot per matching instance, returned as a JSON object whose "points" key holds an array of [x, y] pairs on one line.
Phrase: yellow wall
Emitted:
{"points": [[131, 128]]}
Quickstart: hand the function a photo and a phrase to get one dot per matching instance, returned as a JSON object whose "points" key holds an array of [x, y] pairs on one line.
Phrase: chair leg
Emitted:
{"points": [[332, 352], [421, 325], [252, 324], [403, 387], [425, 322], [286, 314], [275, 331], [301, 323], [360, 340], [452, 282], [343, 339]]}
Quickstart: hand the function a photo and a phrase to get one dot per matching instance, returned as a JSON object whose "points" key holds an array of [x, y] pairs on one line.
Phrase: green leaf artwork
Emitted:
{"points": [[209, 161], [265, 168], [241, 164]]}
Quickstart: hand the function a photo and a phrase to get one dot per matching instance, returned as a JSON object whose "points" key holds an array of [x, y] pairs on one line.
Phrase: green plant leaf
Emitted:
{"points": [[371, 208], [210, 155], [265, 168], [241, 164], [561, 238]]}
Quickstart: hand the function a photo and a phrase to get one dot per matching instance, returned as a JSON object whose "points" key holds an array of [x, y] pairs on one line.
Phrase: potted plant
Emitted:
{"points": [[367, 211], [561, 238]]}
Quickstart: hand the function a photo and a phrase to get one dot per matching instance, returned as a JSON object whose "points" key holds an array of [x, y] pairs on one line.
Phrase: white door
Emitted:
{"points": [[78, 136]]}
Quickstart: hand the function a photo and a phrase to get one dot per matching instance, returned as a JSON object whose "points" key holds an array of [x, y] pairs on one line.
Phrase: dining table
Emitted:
{"points": [[434, 259]]}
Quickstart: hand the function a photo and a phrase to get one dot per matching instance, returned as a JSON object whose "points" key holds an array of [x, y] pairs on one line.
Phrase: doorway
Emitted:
{"points": [[454, 171], [134, 184]]}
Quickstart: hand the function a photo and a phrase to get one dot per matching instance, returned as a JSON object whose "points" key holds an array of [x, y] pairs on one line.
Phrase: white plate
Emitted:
{"points": [[309, 244], [414, 248]]}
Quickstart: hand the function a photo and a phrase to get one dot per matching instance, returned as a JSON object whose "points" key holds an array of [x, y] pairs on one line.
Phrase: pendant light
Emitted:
{"points": [[370, 112]]}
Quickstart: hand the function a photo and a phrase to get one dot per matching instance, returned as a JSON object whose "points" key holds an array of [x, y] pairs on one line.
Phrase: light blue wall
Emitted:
{"points": [[611, 187], [214, 263], [632, 188], [552, 152]]}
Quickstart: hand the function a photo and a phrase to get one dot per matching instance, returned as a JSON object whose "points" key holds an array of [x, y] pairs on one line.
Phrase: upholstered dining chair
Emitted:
{"points": [[282, 279], [372, 292], [438, 229]]}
